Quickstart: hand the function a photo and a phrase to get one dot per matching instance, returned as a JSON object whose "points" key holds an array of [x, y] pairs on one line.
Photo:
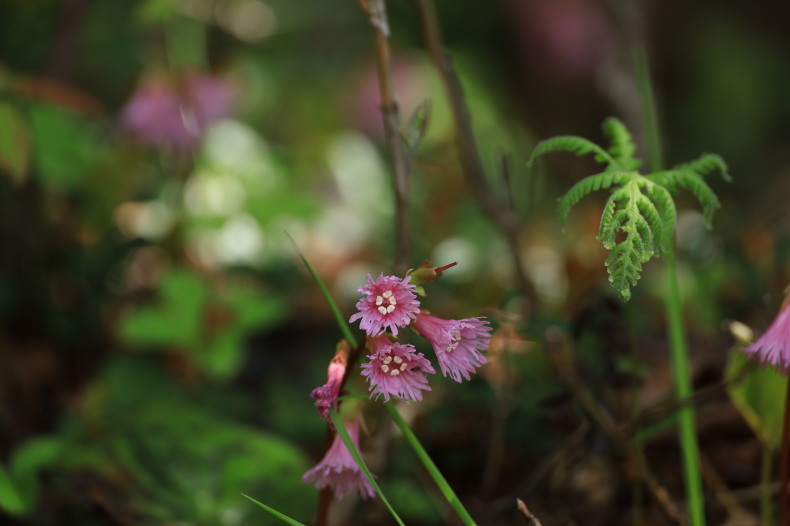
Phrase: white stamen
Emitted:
{"points": [[382, 310], [392, 301], [387, 294], [379, 300], [403, 367], [397, 359], [385, 368], [394, 372], [388, 359], [390, 308]]}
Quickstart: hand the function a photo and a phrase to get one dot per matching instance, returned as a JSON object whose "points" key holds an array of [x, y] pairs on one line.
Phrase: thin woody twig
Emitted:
{"points": [[497, 209], [664, 409], [531, 519], [376, 14], [562, 360]]}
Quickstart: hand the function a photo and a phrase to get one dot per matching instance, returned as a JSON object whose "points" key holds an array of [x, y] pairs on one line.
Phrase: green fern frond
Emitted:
{"points": [[638, 220], [634, 227], [673, 180], [572, 144], [705, 164], [587, 185], [622, 145]]}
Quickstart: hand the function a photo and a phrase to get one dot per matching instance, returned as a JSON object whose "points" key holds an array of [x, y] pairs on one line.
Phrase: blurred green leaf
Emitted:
{"points": [[177, 320], [64, 147], [759, 398], [222, 357], [152, 12], [15, 143], [148, 326], [253, 309], [29, 459], [10, 500]]}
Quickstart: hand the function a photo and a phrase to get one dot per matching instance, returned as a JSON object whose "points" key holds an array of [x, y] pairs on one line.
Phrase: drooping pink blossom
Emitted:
{"points": [[458, 343], [396, 370], [389, 302], [175, 113], [326, 395], [338, 470], [773, 347]]}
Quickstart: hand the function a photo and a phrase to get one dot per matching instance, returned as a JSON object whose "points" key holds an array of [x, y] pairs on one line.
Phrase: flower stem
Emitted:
{"points": [[677, 339], [766, 478], [341, 430], [437, 476], [784, 465], [683, 389]]}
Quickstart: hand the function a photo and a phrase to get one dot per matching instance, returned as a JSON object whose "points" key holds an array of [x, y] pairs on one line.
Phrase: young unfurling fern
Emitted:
{"points": [[638, 220]]}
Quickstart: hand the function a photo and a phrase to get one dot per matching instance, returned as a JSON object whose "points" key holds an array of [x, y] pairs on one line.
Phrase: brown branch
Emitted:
{"points": [[664, 409], [557, 347], [531, 519], [376, 14], [503, 216]]}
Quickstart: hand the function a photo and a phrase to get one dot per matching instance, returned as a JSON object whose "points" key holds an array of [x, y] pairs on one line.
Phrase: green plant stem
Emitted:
{"points": [[677, 339], [683, 389], [647, 101], [434, 472], [784, 464], [766, 480], [281, 516], [341, 430]]}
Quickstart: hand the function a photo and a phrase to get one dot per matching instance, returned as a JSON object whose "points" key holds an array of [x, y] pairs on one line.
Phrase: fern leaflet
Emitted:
{"points": [[573, 144], [622, 147]]}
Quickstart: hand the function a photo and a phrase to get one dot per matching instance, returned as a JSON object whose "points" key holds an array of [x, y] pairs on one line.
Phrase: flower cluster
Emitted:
{"points": [[393, 369], [398, 370]]}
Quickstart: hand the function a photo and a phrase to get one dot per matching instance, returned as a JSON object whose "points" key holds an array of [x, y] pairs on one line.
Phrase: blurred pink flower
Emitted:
{"points": [[396, 370], [176, 113], [338, 470], [773, 347], [457, 343], [390, 302], [326, 395], [564, 38]]}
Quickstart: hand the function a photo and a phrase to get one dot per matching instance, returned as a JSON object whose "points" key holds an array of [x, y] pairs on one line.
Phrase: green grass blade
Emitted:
{"points": [[341, 320], [341, 430], [281, 516], [437, 476]]}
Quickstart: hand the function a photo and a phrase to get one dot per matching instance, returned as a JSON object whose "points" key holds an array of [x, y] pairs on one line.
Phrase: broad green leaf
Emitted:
{"points": [[15, 143], [759, 397]]}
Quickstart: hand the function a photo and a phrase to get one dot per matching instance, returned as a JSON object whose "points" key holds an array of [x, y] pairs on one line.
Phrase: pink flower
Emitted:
{"points": [[773, 347], [338, 470], [457, 343], [390, 302], [176, 112], [326, 395], [396, 369]]}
